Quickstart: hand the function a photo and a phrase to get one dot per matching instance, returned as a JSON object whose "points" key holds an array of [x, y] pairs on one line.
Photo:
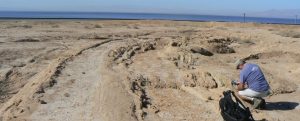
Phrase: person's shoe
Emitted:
{"points": [[256, 103], [263, 104]]}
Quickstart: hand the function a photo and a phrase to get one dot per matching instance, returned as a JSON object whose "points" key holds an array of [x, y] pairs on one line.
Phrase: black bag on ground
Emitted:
{"points": [[234, 110]]}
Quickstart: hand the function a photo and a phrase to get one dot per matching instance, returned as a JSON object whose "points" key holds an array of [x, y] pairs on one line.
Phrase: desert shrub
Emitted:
{"points": [[221, 28], [97, 26], [27, 26], [87, 27], [133, 27], [27, 40], [55, 26], [248, 41], [235, 39], [290, 33], [242, 41]]}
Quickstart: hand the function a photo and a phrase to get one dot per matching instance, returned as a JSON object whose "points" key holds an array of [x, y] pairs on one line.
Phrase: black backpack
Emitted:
{"points": [[234, 110]]}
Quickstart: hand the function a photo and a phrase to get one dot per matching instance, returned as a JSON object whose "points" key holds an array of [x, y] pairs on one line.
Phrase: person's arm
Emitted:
{"points": [[241, 86]]}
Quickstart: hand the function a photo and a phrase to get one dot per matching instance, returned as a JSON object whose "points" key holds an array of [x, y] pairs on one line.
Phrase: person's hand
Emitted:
{"points": [[234, 85], [235, 82]]}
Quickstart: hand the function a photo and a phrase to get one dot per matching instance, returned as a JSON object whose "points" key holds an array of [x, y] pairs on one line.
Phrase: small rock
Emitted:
{"points": [[209, 98], [32, 60], [201, 51], [72, 81], [67, 95], [83, 72], [22, 110], [157, 111], [43, 102], [175, 44], [253, 56]]}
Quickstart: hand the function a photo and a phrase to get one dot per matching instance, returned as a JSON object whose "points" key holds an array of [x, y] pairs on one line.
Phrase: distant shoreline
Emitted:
{"points": [[77, 12], [105, 19], [139, 16]]}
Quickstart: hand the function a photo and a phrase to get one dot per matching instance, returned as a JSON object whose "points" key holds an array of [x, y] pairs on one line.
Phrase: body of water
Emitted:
{"points": [[148, 16]]}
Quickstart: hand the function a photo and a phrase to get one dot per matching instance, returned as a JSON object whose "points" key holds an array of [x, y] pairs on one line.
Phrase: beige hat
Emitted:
{"points": [[239, 62]]}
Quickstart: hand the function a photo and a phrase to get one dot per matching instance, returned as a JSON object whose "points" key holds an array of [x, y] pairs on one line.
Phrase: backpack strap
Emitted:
{"points": [[241, 103], [237, 99]]}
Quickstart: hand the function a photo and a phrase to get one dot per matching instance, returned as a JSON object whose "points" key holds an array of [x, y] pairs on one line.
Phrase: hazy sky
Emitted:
{"points": [[220, 7]]}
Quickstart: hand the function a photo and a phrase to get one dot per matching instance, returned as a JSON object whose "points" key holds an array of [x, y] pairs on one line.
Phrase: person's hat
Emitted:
{"points": [[239, 62]]}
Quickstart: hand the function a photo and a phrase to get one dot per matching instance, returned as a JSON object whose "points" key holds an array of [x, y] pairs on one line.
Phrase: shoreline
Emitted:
{"points": [[144, 16], [105, 19]]}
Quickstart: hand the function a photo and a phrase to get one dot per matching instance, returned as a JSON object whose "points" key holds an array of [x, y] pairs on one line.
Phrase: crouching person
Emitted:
{"points": [[252, 85]]}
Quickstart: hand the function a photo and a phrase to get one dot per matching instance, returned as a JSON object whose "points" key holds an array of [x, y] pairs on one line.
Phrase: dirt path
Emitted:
{"points": [[72, 97], [84, 91]]}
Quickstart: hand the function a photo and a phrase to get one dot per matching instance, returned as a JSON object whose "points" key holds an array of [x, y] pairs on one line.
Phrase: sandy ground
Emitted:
{"points": [[57, 70]]}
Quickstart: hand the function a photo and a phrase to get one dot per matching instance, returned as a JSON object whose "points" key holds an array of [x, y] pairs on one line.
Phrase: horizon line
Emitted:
{"points": [[162, 13]]}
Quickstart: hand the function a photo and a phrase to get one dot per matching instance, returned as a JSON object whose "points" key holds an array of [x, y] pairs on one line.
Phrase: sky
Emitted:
{"points": [[269, 8]]}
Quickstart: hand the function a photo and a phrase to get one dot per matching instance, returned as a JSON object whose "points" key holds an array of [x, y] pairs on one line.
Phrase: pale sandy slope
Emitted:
{"points": [[140, 70]]}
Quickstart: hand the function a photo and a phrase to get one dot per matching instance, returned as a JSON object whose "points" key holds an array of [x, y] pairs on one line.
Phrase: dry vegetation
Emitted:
{"points": [[290, 33]]}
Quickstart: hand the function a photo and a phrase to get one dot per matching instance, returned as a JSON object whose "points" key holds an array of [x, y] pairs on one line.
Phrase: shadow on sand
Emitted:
{"points": [[281, 105]]}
